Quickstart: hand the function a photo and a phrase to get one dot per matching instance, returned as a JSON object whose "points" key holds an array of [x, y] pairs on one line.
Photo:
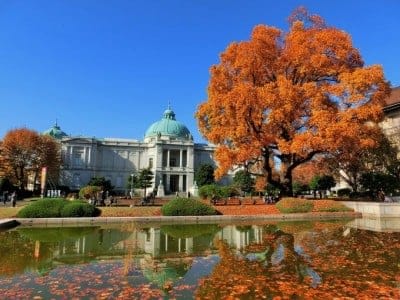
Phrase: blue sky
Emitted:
{"points": [[109, 68]]}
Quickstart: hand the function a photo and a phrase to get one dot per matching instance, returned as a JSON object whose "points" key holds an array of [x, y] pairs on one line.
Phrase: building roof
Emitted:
{"points": [[55, 132], [168, 126], [394, 97]]}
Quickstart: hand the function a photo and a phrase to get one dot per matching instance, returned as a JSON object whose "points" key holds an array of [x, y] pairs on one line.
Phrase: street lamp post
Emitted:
{"points": [[132, 185]]}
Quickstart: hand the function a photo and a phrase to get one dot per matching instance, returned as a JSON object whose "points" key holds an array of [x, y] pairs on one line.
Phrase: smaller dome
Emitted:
{"points": [[55, 132]]}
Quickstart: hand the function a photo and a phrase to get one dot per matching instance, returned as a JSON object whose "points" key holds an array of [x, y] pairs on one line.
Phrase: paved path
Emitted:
{"points": [[43, 222]]}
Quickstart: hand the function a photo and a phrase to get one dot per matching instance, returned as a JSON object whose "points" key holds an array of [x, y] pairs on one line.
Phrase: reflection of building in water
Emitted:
{"points": [[153, 242], [241, 236], [160, 253]]}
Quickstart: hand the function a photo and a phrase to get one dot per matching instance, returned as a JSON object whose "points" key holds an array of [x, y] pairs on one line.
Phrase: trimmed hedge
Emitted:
{"points": [[56, 208], [294, 205], [187, 207], [79, 209]]}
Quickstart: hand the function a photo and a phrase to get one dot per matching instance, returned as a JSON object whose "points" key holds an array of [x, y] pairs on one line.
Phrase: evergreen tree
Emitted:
{"points": [[204, 175], [244, 181]]}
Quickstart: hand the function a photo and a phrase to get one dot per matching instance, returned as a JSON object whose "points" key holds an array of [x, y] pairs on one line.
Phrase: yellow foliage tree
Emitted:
{"points": [[288, 96]]}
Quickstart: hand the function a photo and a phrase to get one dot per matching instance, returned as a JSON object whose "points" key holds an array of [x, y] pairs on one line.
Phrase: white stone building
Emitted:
{"points": [[168, 150]]}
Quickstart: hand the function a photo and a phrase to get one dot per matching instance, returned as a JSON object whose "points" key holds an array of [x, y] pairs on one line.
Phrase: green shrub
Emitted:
{"points": [[187, 207], [56, 208], [79, 209], [213, 190], [43, 208], [209, 190], [229, 191], [89, 191], [294, 205]]}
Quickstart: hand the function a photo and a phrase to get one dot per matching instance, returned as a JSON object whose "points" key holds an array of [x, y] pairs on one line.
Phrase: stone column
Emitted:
{"points": [[89, 157], [71, 161], [180, 184], [155, 240], [189, 245], [168, 160], [84, 156], [180, 158]]}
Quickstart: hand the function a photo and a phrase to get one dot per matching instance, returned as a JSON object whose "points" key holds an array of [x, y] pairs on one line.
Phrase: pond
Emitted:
{"points": [[205, 261]]}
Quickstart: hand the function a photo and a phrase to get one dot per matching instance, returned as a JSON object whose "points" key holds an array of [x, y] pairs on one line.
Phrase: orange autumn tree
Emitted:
{"points": [[287, 96], [24, 152], [318, 166]]}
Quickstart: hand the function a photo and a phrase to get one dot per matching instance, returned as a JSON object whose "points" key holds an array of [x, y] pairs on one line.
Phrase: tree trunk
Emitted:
{"points": [[286, 178]]}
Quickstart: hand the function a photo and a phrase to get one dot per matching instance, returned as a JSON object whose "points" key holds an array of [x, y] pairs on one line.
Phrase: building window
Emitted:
{"points": [[78, 157], [172, 162], [150, 162], [119, 181]]}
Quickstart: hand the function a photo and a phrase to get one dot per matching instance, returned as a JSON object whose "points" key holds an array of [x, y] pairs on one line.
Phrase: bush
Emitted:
{"points": [[72, 196], [187, 207], [89, 191], [209, 190], [294, 205], [56, 208], [229, 191], [79, 209], [43, 208]]}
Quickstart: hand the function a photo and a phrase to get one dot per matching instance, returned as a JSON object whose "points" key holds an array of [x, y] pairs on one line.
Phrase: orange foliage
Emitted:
{"points": [[289, 96], [24, 152], [305, 172], [352, 267]]}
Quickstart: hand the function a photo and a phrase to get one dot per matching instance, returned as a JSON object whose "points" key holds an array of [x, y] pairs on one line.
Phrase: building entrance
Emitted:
{"points": [[174, 183]]}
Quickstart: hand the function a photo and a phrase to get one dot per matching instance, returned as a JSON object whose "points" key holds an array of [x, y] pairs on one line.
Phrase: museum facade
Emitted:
{"points": [[167, 149]]}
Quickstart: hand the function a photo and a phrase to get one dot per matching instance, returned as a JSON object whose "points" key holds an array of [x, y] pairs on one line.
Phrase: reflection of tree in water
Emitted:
{"points": [[253, 273], [320, 264], [41, 249], [363, 263], [164, 273], [15, 253]]}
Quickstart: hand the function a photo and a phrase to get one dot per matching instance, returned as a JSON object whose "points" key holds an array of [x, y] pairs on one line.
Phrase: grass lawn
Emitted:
{"points": [[136, 211], [8, 212]]}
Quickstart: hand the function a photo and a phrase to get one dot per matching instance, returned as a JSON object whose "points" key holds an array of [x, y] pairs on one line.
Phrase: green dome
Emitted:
{"points": [[55, 132], [168, 126]]}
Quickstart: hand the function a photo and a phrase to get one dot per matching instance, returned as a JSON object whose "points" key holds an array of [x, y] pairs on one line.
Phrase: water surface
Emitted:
{"points": [[246, 261]]}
